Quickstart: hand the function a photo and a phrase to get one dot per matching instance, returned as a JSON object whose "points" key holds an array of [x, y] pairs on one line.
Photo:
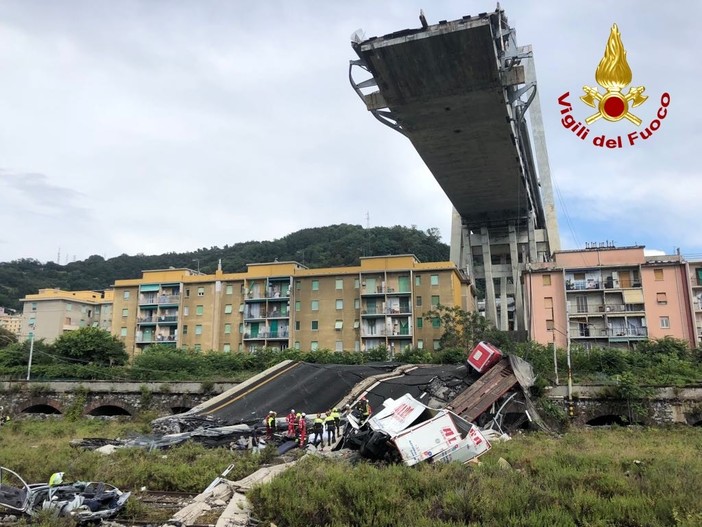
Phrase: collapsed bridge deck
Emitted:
{"points": [[446, 87]]}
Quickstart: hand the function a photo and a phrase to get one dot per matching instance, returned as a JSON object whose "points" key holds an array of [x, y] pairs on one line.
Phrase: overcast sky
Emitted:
{"points": [[155, 126]]}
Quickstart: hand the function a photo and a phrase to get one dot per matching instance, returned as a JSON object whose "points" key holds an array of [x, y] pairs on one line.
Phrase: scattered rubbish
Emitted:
{"points": [[86, 502]]}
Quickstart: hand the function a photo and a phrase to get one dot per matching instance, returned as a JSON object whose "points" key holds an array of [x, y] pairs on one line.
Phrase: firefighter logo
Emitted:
{"points": [[613, 74]]}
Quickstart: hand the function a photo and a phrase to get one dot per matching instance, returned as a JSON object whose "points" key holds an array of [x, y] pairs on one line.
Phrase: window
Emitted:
{"points": [[198, 329], [356, 324], [434, 300], [227, 348], [126, 295], [315, 325], [339, 324], [297, 305], [357, 304], [339, 346], [658, 274], [661, 298], [185, 330], [186, 311], [549, 325], [297, 325], [339, 303], [357, 346], [199, 310], [69, 307], [227, 329], [665, 322], [314, 345], [298, 286], [241, 327], [419, 301], [315, 285], [241, 308], [437, 345], [435, 279], [66, 321], [420, 322], [187, 293], [123, 332], [339, 283], [547, 279], [229, 290], [34, 306], [418, 280], [315, 305], [436, 322], [297, 345], [228, 309], [548, 302], [200, 291], [197, 347], [356, 283], [125, 312]]}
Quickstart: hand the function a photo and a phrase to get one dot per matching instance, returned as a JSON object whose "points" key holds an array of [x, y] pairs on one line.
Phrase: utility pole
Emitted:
{"points": [[31, 352]]}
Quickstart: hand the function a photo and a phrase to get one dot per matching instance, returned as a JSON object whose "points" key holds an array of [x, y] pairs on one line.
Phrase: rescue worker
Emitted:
{"points": [[56, 479], [270, 425], [298, 415], [318, 429], [291, 423], [302, 430], [364, 409], [255, 441], [336, 416], [330, 425]]}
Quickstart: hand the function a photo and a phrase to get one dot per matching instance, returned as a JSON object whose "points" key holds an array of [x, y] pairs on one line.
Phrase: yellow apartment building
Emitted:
{"points": [[380, 302], [11, 321], [609, 296], [51, 312]]}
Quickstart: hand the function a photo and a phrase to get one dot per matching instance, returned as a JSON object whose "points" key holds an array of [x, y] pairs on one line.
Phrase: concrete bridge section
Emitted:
{"points": [[594, 405], [459, 91], [105, 398]]}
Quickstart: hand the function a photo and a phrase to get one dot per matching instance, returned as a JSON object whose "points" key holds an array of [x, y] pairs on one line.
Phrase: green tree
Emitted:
{"points": [[6, 337], [91, 345], [461, 329]]}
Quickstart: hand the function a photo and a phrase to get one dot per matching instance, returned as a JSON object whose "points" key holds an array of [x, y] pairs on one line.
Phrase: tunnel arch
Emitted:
{"points": [[180, 409], [607, 420], [108, 410], [41, 408]]}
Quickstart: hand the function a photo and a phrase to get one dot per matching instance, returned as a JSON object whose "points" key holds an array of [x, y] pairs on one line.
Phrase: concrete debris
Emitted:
{"points": [[106, 450], [504, 464]]}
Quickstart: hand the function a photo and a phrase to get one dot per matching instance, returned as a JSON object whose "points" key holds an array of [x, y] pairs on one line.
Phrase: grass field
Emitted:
{"points": [[588, 477]]}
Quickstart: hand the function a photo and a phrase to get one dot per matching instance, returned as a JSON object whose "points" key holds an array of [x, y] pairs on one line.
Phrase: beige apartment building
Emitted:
{"points": [[51, 312], [11, 321], [381, 302], [609, 296]]}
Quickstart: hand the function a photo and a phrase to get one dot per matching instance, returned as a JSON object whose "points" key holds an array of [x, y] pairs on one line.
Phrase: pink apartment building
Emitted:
{"points": [[609, 296]]}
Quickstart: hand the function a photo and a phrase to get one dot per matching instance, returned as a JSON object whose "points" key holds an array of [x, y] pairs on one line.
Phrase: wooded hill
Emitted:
{"points": [[332, 246]]}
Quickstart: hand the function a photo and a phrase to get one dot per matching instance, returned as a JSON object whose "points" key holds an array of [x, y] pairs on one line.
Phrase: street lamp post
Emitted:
{"points": [[31, 352], [198, 264]]}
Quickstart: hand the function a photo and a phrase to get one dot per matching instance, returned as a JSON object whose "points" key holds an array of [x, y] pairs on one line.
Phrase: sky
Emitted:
{"points": [[169, 125]]}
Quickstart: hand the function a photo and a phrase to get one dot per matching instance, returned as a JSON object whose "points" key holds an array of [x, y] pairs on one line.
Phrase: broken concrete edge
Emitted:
{"points": [[366, 385], [232, 391]]}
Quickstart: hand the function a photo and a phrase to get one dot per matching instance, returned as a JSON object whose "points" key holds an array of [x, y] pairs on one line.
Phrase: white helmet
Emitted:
{"points": [[304, 414]]}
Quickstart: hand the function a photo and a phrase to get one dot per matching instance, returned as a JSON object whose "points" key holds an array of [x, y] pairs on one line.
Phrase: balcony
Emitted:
{"points": [[146, 320], [250, 314], [367, 333], [262, 335], [373, 312], [276, 313], [580, 285], [159, 299], [400, 333], [167, 319]]}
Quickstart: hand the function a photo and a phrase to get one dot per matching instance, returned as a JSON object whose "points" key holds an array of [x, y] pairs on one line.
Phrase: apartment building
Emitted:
{"points": [[51, 312], [609, 296], [695, 274], [11, 321], [285, 304]]}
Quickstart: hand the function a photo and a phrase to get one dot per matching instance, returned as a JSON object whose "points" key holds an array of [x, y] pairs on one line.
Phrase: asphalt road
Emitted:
{"points": [[306, 387], [315, 388]]}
